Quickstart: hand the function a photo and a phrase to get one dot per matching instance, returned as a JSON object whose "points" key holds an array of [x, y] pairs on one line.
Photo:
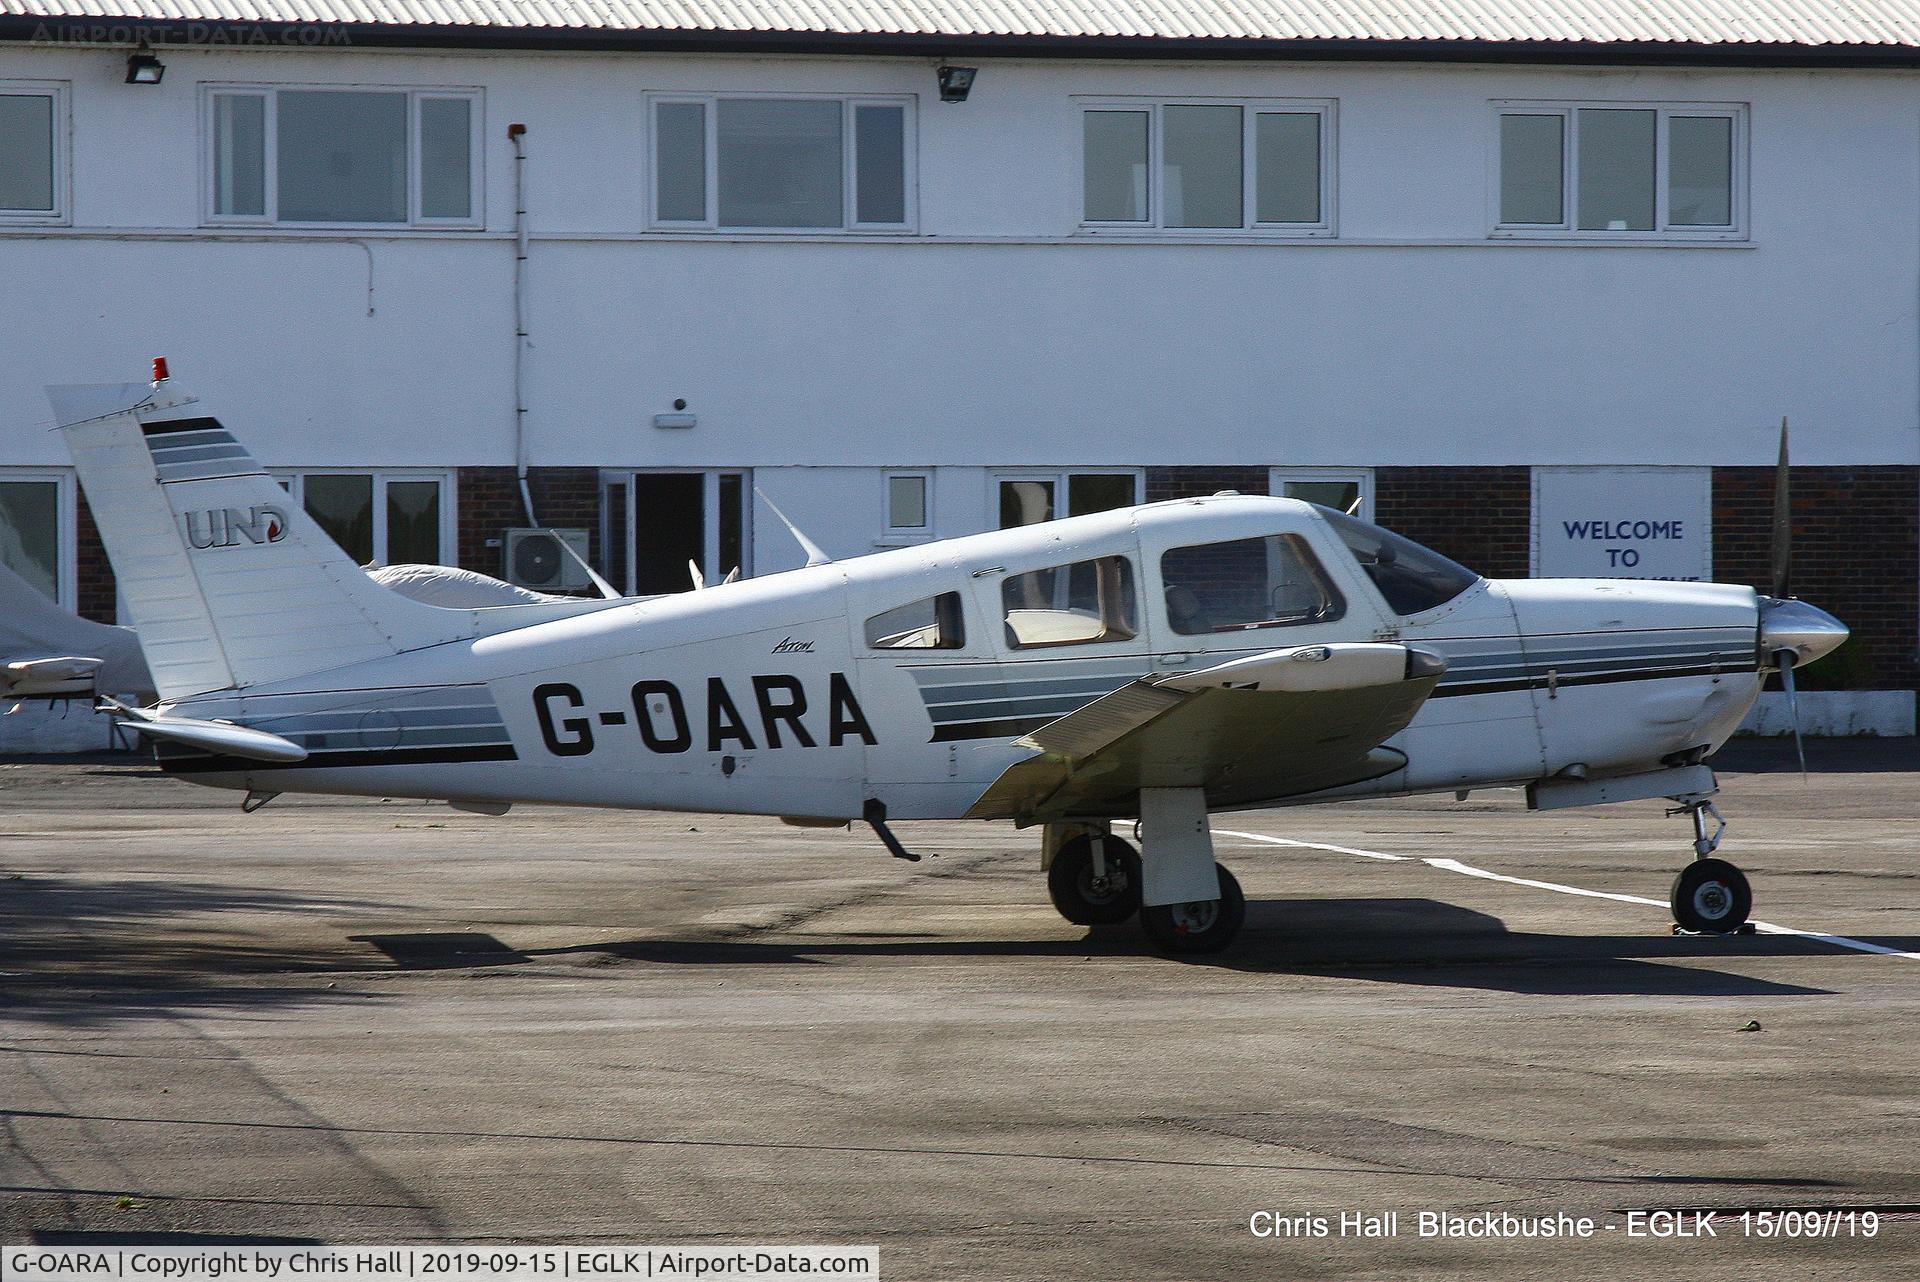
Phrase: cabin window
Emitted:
{"points": [[1207, 166], [36, 531], [1074, 604], [936, 623], [32, 152], [1613, 169], [1271, 582], [782, 164], [379, 518], [1412, 578], [402, 157]]}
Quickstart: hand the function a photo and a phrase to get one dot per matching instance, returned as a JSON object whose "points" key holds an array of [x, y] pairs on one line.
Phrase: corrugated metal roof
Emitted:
{"points": [[1890, 24]]}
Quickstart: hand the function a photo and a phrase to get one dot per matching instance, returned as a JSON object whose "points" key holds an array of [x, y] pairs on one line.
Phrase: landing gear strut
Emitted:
{"points": [[1710, 896]]}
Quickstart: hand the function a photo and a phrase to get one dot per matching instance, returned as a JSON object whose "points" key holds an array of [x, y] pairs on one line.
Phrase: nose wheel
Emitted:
{"points": [[1710, 896]]}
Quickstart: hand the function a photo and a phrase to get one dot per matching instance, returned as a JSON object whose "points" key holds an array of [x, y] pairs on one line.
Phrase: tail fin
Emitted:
{"points": [[228, 583]]}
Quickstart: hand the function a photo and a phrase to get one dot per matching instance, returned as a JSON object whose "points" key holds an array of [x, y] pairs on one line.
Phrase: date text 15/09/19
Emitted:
{"points": [[1633, 1224]]}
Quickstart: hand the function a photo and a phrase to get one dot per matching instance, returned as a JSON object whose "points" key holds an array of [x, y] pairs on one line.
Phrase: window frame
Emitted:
{"points": [[891, 533], [212, 91], [1664, 110], [1155, 223], [66, 579], [849, 171], [1360, 476], [1131, 579], [293, 480], [1062, 479], [61, 215], [954, 643], [1301, 547]]}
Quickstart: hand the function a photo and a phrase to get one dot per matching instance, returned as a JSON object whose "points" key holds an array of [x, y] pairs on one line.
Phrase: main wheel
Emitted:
{"points": [[1086, 898], [1712, 897], [1204, 926]]}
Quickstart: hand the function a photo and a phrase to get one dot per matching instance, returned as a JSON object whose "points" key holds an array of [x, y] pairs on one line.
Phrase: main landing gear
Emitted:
{"points": [[1710, 896], [1186, 902]]}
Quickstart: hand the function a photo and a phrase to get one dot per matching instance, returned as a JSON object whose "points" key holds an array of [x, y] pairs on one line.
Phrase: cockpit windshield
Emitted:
{"points": [[1412, 578]]}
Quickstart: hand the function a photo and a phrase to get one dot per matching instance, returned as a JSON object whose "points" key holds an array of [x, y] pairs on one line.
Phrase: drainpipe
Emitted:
{"points": [[515, 134]]}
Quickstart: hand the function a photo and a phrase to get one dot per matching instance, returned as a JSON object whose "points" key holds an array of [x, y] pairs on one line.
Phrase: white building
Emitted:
{"points": [[1536, 283]]}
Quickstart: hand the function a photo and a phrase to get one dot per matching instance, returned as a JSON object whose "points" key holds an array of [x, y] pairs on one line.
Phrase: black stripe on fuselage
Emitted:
{"points": [[1542, 682], [203, 763]]}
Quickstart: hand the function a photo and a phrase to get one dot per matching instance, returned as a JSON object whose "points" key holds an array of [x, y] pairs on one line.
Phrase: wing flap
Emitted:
{"points": [[1243, 746]]}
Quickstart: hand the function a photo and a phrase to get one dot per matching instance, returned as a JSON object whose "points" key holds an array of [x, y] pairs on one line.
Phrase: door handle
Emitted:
{"points": [[1173, 660]]}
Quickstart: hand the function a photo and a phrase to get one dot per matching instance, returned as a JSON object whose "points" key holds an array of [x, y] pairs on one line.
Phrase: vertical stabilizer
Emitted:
{"points": [[227, 582]]}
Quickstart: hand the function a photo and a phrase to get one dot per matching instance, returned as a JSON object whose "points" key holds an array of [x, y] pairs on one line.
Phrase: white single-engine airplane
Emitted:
{"points": [[1156, 662]]}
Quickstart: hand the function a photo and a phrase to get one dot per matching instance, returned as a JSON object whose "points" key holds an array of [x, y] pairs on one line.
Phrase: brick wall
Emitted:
{"points": [[1479, 516], [564, 497], [1856, 554], [1198, 482], [92, 572]]}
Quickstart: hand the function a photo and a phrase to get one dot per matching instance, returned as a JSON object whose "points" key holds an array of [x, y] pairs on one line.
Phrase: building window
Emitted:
{"points": [[672, 522], [379, 518], [33, 152], [1207, 166], [1612, 169], [36, 531], [1071, 604], [909, 505], [1337, 488], [1030, 498], [782, 164], [356, 157]]}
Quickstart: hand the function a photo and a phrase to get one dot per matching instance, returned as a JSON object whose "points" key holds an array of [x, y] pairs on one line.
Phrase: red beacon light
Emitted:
{"points": [[159, 369]]}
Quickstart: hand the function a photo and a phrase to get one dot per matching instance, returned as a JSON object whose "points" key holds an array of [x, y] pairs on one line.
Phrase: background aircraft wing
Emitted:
{"points": [[1273, 726]]}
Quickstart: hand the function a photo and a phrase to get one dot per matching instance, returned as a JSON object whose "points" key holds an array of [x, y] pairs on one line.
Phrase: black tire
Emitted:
{"points": [[1203, 927], [1712, 897], [1080, 897]]}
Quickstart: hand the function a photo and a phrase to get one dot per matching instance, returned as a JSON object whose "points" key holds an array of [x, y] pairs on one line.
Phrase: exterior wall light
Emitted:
{"points": [[144, 67], [956, 82]]}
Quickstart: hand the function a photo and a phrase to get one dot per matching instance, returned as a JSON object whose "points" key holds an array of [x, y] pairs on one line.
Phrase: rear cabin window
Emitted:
{"points": [[1272, 582], [1412, 578], [1074, 604], [933, 624]]}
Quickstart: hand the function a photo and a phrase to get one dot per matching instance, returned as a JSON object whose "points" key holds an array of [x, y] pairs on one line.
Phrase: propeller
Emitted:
{"points": [[1783, 583], [1782, 520]]}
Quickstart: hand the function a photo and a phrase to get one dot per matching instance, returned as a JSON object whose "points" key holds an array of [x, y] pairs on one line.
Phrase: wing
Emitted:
{"points": [[1276, 725]]}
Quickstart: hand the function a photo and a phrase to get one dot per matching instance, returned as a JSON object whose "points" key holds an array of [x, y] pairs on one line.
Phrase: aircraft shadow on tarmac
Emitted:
{"points": [[1393, 941]]}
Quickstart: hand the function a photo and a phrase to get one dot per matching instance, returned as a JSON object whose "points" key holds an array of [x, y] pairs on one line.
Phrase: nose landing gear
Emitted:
{"points": [[1710, 896]]}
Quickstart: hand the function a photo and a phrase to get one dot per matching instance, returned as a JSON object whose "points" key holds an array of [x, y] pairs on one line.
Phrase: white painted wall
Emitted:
{"points": [[996, 335]]}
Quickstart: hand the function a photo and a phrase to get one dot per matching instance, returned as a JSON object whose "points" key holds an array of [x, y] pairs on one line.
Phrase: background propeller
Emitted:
{"points": [[1783, 583]]}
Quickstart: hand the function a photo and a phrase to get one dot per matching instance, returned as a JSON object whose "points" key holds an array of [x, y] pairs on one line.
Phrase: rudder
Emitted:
{"points": [[228, 583]]}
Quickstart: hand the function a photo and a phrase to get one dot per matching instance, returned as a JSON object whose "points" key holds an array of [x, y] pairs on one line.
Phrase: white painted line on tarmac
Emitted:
{"points": [[1468, 870]]}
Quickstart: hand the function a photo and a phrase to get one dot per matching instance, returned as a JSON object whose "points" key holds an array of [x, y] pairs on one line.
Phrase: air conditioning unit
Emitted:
{"points": [[535, 559]]}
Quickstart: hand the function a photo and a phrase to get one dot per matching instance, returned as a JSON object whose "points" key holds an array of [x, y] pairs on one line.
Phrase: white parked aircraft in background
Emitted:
{"points": [[1156, 662]]}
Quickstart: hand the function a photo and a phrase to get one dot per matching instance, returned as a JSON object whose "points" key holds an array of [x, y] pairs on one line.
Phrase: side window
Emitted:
{"points": [[1071, 604], [1273, 582], [933, 624]]}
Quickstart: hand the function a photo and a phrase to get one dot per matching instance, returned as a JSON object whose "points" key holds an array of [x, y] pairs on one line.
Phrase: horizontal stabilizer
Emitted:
{"points": [[210, 736], [48, 678]]}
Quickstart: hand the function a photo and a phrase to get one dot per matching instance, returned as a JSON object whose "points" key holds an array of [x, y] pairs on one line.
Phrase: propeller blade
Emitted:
{"points": [[1785, 659], [1782, 520]]}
